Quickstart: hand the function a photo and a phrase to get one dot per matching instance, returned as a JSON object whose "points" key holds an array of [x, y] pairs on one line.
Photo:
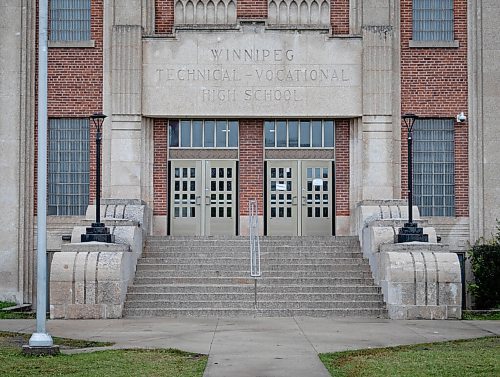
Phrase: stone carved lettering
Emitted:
{"points": [[262, 71], [239, 74]]}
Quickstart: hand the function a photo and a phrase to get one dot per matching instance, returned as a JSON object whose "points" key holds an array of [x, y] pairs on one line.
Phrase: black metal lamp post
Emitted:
{"points": [[98, 232], [410, 232]]}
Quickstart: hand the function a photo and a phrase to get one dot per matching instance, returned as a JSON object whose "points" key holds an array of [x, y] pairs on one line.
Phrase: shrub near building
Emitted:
{"points": [[485, 261]]}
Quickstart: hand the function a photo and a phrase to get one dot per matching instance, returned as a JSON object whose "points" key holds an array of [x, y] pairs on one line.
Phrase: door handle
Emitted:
{"points": [[304, 200], [198, 200], [294, 200], [207, 200]]}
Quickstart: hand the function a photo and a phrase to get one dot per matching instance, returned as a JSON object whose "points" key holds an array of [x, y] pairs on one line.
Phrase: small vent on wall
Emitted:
{"points": [[299, 12], [205, 12]]}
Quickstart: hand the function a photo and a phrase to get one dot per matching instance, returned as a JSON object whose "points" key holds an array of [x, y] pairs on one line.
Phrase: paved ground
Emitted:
{"points": [[261, 347]]}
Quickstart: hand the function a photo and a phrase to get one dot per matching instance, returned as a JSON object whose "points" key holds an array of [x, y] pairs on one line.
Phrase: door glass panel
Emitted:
{"points": [[221, 172], [213, 173], [273, 172], [230, 172]]}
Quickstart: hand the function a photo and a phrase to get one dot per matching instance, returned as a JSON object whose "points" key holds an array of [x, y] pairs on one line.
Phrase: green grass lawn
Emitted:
{"points": [[143, 363], [477, 357], [13, 315], [492, 316]]}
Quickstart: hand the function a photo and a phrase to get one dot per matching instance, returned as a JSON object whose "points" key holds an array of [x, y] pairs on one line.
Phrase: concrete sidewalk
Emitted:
{"points": [[261, 347]]}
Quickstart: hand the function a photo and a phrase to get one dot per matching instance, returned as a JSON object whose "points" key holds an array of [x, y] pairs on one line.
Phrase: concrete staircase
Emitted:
{"points": [[210, 276]]}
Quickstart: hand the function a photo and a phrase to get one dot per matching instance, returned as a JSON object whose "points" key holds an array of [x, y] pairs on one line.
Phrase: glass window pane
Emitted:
{"points": [[209, 131], [233, 134], [185, 133], [174, 133], [293, 134], [270, 133], [316, 134], [197, 133], [221, 133], [305, 137], [329, 134], [281, 133]]}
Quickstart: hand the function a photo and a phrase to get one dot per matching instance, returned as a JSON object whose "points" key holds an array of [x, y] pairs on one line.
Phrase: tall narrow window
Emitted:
{"points": [[68, 166], [69, 20], [433, 20], [434, 167]]}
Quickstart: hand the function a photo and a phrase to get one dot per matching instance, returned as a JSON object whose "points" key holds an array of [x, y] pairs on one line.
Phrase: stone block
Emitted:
{"points": [[420, 280], [61, 292], [57, 311], [85, 311]]}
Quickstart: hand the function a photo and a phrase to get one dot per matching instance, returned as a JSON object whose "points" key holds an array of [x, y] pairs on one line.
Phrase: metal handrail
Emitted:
{"points": [[253, 226]]}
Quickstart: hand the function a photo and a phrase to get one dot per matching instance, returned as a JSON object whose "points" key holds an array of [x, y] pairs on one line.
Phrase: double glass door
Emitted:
{"points": [[203, 197], [299, 198]]}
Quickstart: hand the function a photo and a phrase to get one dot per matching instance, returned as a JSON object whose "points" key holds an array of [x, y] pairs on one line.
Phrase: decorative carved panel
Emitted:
{"points": [[204, 154], [299, 12], [205, 12], [300, 154]]}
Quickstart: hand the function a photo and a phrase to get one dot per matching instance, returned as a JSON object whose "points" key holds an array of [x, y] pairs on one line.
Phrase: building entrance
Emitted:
{"points": [[203, 199], [299, 200]]}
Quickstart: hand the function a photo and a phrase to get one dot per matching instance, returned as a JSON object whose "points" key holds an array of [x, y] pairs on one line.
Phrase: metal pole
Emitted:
{"points": [[98, 139], [410, 176], [41, 338]]}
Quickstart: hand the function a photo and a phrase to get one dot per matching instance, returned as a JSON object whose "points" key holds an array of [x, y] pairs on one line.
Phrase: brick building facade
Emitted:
{"points": [[284, 73]]}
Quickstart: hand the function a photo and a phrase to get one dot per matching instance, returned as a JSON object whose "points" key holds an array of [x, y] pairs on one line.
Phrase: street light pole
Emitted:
{"points": [[410, 232], [98, 232]]}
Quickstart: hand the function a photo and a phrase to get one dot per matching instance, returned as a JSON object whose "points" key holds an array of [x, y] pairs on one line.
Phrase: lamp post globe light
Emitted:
{"points": [[98, 231], [410, 232]]}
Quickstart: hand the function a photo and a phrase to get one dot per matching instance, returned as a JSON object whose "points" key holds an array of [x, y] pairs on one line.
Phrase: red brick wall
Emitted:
{"points": [[339, 16], [160, 172], [252, 9], [164, 16], [251, 164], [342, 170], [75, 78], [434, 84]]}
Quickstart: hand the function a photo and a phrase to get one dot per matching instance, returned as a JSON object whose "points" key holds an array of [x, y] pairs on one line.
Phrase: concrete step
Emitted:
{"points": [[189, 253], [202, 274], [245, 267], [147, 260], [230, 312], [209, 276], [249, 288], [242, 280], [249, 296], [249, 304]]}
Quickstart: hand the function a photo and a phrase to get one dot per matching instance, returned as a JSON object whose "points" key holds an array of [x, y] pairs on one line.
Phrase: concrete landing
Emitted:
{"points": [[261, 347]]}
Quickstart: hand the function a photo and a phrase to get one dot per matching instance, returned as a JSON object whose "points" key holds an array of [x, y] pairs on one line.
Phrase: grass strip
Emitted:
{"points": [[492, 316], [476, 357], [140, 363]]}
